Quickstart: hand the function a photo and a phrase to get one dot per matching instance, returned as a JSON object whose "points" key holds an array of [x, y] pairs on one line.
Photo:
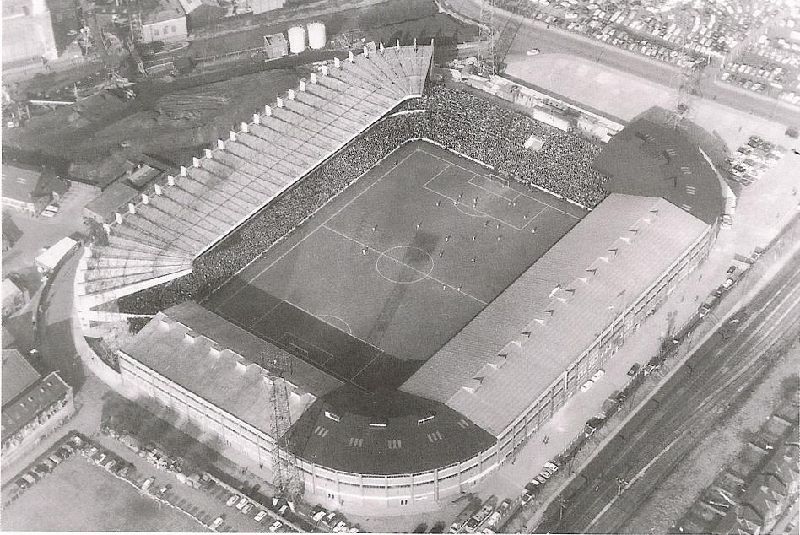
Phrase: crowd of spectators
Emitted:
{"points": [[455, 118]]}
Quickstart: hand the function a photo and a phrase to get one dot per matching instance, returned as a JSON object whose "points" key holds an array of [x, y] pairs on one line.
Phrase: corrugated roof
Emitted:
{"points": [[18, 374], [214, 372], [518, 345]]}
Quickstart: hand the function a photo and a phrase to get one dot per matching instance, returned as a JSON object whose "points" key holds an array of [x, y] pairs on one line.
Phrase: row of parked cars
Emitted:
{"points": [[331, 520], [48, 462], [246, 506], [751, 160], [535, 484]]}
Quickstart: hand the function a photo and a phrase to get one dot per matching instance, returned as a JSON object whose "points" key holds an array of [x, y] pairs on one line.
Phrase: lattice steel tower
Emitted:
{"points": [[286, 475], [487, 35]]}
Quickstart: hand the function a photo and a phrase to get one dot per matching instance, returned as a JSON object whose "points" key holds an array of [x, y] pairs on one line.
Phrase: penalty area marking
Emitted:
{"points": [[333, 320]]}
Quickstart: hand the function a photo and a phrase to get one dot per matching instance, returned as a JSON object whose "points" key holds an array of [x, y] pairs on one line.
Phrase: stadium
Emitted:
{"points": [[379, 282]]}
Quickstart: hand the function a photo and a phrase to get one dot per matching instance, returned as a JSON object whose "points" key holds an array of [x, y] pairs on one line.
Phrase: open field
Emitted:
{"points": [[385, 274], [79, 496]]}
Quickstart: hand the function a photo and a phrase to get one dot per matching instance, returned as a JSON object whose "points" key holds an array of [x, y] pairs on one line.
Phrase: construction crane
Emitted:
{"points": [[286, 475]]}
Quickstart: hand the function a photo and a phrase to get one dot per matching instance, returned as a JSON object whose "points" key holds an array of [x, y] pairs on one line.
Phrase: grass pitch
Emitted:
{"points": [[383, 275]]}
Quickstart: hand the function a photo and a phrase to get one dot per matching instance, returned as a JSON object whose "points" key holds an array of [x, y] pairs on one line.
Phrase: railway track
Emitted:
{"points": [[670, 425]]}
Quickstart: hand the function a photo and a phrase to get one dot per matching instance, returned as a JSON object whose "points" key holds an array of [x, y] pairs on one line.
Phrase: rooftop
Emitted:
{"points": [[381, 434], [217, 372], [18, 375], [652, 160], [32, 401], [514, 349], [114, 199]]}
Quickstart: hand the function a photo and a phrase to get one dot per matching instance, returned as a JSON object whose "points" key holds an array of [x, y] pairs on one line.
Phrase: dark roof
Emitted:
{"points": [[408, 434], [31, 402], [114, 198], [18, 374], [651, 160]]}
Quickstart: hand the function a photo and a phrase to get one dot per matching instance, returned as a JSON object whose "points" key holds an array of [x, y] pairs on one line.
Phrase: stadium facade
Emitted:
{"points": [[462, 413]]}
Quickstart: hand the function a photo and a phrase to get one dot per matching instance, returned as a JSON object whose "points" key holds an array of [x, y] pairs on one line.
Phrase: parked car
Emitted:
{"points": [[586, 386], [551, 465], [217, 522], [76, 441], [598, 375], [634, 370], [247, 508], [319, 515], [275, 526], [261, 515], [232, 500]]}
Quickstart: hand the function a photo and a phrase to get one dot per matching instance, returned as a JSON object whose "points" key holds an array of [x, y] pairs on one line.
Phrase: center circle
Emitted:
{"points": [[404, 264]]}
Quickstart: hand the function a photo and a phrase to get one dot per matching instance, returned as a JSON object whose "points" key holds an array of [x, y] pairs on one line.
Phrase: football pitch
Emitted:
{"points": [[384, 274]]}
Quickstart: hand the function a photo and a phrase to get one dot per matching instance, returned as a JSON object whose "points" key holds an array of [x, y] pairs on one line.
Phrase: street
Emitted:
{"points": [[608, 491]]}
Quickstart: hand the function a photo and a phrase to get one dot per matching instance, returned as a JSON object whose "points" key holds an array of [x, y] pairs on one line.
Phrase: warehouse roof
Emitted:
{"points": [[514, 349], [223, 370], [384, 433], [649, 159]]}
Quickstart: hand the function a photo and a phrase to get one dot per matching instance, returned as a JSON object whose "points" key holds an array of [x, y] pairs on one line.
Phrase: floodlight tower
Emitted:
{"points": [[486, 34], [286, 475]]}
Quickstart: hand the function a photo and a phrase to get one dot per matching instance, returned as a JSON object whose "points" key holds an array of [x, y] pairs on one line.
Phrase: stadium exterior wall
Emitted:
{"points": [[603, 348], [351, 492]]}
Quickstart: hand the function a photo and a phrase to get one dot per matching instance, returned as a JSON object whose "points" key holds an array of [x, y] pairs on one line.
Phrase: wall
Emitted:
{"points": [[167, 30]]}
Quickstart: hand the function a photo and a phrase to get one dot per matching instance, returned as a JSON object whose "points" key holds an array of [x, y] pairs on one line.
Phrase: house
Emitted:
{"points": [[202, 12], [21, 190], [276, 45], [33, 406], [13, 297], [113, 200], [166, 21]]}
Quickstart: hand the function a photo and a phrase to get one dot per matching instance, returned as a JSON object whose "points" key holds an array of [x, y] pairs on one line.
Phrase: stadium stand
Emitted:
{"points": [[526, 342], [159, 237], [649, 159]]}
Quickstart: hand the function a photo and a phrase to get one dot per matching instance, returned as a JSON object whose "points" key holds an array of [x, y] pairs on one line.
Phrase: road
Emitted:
{"points": [[535, 34], [606, 494]]}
